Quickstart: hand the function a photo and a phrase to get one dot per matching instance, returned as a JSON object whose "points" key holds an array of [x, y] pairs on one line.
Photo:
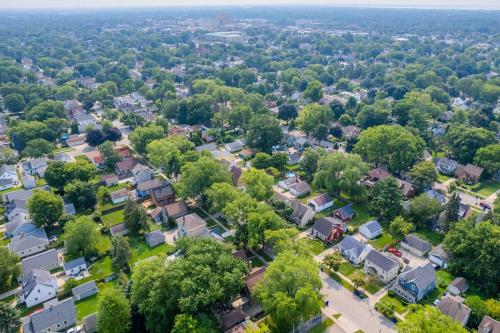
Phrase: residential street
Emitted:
{"points": [[355, 313]]}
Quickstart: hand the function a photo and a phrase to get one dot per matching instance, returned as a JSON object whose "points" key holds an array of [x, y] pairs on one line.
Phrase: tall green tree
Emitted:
{"points": [[168, 153], [136, 218], [399, 227], [386, 199], [393, 146], [9, 267], [111, 156], [45, 208], [198, 176], [312, 116], [474, 250], [464, 141], [339, 172], [10, 318], [120, 252], [489, 158], [450, 213], [83, 195], [81, 237], [290, 290], [258, 184], [424, 175], [219, 194], [141, 136], [113, 314], [422, 208], [264, 132], [430, 320]]}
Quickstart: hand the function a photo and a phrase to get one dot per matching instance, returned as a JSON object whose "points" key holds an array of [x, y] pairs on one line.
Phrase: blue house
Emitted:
{"points": [[416, 283]]}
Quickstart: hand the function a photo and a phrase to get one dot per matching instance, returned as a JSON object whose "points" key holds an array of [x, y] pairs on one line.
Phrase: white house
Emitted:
{"points": [[37, 287], [439, 257], [353, 250], [192, 226], [119, 196], [320, 202], [371, 229], [75, 267], [9, 172], [141, 173], [385, 268]]}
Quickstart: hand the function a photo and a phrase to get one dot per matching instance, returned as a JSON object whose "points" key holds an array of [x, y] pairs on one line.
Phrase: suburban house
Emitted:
{"points": [[371, 229], [488, 325], [75, 140], [233, 147], [20, 224], [123, 169], [163, 195], [446, 165], [95, 158], [192, 225], [469, 173], [46, 260], [414, 284], [28, 244], [141, 173], [123, 151], [439, 256], [320, 202], [299, 189], [154, 238], [382, 266], [287, 182], [84, 290], [17, 208], [458, 286], [6, 184], [353, 250], [293, 158], [158, 215], [407, 189], [29, 182], [144, 188], [56, 316], [37, 287], [464, 211], [433, 194], [345, 214], [301, 213], [8, 172], [176, 209], [62, 157], [36, 166], [110, 179], [328, 229], [416, 245], [75, 267], [118, 229], [119, 196], [350, 132], [453, 307]]}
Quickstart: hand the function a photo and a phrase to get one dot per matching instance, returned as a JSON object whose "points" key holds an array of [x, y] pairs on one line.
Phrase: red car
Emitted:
{"points": [[394, 251], [485, 205]]}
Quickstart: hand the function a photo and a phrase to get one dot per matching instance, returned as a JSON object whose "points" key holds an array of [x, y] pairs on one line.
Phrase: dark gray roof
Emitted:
{"points": [[381, 261], [19, 225], [418, 243], [346, 211], [84, 288], [422, 276], [154, 238], [6, 181], [460, 283], [7, 168], [51, 315], [27, 241], [207, 147], [301, 187], [322, 199], [433, 194], [90, 323], [372, 226], [324, 226], [74, 263], [438, 251], [21, 194], [119, 194], [45, 259], [454, 308], [151, 184], [350, 243], [36, 277], [120, 227], [299, 209]]}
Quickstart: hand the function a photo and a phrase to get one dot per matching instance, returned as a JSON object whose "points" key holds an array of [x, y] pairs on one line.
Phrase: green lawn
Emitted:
{"points": [[362, 215], [211, 222], [256, 262], [10, 190], [118, 187], [200, 212], [113, 218], [314, 245], [488, 188], [372, 288], [141, 250], [347, 269], [382, 241], [88, 305], [442, 178], [340, 280], [395, 303], [435, 238], [3, 241], [322, 326]]}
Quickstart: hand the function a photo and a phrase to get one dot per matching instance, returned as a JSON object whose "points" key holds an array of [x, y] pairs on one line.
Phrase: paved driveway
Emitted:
{"points": [[355, 313]]}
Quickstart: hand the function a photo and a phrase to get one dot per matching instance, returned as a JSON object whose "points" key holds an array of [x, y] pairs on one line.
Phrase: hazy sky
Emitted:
{"points": [[471, 4]]}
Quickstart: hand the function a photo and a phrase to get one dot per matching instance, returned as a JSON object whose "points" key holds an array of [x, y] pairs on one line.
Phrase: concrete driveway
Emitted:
{"points": [[356, 314]]}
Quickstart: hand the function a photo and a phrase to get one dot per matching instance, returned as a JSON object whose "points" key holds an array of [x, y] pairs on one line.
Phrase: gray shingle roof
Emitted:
{"points": [[90, 323], [74, 263], [34, 278], [454, 308], [381, 261], [154, 238], [24, 242], [350, 243], [45, 259], [301, 187], [373, 226], [63, 311], [418, 243], [438, 251], [324, 226], [422, 276], [84, 288]]}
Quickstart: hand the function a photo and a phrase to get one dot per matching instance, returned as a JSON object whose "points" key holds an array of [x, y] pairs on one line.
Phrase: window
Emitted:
{"points": [[65, 322]]}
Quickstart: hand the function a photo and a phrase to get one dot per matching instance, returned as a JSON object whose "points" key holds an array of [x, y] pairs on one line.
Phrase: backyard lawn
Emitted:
{"points": [[382, 241], [488, 188], [256, 262], [141, 250], [88, 305], [118, 187], [362, 215], [347, 269], [113, 218], [435, 238], [314, 245], [200, 212]]}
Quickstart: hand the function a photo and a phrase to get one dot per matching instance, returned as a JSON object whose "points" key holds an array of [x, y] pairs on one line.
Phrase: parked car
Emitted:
{"points": [[394, 251], [485, 205], [406, 261]]}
